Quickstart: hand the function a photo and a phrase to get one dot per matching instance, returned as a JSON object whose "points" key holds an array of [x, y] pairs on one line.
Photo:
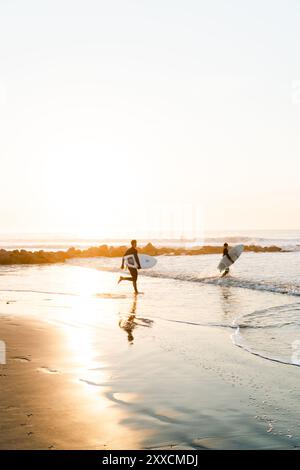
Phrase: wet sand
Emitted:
{"points": [[91, 366], [42, 404]]}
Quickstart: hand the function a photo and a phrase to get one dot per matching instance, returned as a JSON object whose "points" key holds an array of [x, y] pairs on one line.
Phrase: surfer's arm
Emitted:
{"points": [[225, 253], [123, 260]]}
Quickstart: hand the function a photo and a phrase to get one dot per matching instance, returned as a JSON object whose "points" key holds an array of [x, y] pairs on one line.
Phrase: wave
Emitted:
{"points": [[233, 282], [254, 240], [272, 334], [230, 281]]}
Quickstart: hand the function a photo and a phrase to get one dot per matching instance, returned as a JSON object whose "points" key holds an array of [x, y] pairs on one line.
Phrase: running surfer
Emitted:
{"points": [[133, 271], [225, 253]]}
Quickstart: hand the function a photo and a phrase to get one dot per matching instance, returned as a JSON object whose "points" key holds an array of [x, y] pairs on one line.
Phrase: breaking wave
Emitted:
{"points": [[278, 287]]}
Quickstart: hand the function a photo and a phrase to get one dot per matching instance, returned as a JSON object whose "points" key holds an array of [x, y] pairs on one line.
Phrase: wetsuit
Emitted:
{"points": [[133, 271], [225, 253]]}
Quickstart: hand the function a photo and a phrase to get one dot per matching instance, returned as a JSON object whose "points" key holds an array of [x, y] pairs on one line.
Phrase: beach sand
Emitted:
{"points": [[43, 408], [92, 367]]}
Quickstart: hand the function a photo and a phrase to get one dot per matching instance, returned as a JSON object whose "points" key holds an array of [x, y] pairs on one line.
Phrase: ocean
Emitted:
{"points": [[286, 239], [271, 332]]}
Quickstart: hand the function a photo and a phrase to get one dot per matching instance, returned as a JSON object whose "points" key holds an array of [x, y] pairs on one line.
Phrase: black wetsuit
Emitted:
{"points": [[133, 271], [225, 253]]}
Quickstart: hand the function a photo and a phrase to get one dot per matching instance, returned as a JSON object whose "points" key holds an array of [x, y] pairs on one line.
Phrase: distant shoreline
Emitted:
{"points": [[9, 257]]}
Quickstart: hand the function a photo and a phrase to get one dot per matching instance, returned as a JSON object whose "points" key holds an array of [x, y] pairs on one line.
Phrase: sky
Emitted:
{"points": [[149, 118]]}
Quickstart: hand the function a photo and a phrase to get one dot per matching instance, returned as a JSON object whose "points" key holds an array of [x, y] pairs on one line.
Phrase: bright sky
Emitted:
{"points": [[121, 116]]}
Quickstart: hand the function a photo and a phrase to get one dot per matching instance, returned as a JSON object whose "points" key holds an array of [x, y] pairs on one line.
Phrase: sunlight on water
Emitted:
{"points": [[139, 356], [265, 272]]}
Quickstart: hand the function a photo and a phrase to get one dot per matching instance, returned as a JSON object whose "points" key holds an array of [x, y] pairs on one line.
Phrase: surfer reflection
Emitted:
{"points": [[133, 270], [129, 322], [230, 303], [225, 253]]}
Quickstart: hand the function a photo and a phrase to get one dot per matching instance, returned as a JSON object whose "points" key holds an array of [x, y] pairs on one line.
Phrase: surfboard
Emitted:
{"points": [[146, 261], [234, 253]]}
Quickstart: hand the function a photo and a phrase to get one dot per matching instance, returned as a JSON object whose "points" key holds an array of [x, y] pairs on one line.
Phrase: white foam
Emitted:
{"points": [[271, 334]]}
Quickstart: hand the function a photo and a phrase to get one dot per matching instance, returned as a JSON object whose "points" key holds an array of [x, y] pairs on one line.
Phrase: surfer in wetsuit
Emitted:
{"points": [[225, 253], [133, 271]]}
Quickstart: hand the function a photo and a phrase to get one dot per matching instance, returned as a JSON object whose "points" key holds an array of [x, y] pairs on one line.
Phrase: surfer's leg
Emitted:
{"points": [[121, 278], [135, 287], [225, 272], [134, 274]]}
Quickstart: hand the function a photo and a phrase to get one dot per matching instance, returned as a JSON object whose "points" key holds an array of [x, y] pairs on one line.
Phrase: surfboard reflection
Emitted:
{"points": [[130, 321]]}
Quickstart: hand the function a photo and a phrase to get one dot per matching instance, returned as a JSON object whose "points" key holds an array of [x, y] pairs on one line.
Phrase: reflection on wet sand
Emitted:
{"points": [[230, 302], [129, 322]]}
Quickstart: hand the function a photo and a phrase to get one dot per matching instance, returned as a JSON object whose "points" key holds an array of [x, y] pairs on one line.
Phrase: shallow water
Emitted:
{"points": [[169, 358], [266, 333]]}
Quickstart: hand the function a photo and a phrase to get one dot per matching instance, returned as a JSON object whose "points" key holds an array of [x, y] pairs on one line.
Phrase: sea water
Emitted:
{"points": [[286, 239], [271, 332], [274, 332], [195, 356]]}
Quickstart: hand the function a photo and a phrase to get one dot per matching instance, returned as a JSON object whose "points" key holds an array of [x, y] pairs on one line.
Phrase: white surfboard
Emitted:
{"points": [[234, 253], [146, 261]]}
